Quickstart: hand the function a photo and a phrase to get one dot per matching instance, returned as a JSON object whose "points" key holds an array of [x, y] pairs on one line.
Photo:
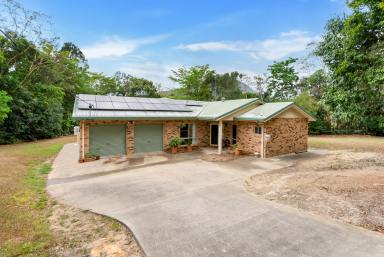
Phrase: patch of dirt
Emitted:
{"points": [[219, 158], [82, 233], [344, 185]]}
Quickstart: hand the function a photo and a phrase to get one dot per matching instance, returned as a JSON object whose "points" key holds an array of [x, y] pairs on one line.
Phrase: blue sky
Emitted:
{"points": [[150, 38]]}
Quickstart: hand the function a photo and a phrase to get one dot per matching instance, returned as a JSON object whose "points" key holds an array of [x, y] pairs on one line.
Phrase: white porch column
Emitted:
{"points": [[82, 139], [220, 138], [262, 150]]}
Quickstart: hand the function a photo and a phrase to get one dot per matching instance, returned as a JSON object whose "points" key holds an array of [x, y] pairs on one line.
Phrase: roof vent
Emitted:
{"points": [[222, 98]]}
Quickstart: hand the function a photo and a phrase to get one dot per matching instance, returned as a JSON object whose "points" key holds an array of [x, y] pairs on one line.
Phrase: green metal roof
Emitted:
{"points": [[269, 110], [220, 109]]}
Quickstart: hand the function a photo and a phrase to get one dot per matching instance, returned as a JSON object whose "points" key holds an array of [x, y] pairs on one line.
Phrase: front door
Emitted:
{"points": [[234, 134], [214, 134]]}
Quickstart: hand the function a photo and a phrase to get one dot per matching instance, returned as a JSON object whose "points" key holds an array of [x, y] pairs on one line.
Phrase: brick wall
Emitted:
{"points": [[287, 136], [203, 133], [247, 140], [171, 129]]}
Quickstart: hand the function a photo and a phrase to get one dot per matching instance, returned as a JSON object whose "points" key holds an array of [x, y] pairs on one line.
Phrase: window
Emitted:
{"points": [[258, 130], [187, 133]]}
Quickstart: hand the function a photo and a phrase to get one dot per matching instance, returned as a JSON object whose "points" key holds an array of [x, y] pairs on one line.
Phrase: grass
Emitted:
{"points": [[23, 199], [348, 142]]}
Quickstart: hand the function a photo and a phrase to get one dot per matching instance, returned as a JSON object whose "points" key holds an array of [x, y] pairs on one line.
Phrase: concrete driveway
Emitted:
{"points": [[197, 208]]}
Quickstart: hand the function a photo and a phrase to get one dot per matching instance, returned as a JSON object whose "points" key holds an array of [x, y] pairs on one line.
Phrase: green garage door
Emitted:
{"points": [[105, 140], [148, 138]]}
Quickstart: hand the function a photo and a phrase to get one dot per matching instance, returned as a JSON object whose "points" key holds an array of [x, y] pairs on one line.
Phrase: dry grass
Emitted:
{"points": [[34, 225], [348, 142], [343, 184], [24, 230]]}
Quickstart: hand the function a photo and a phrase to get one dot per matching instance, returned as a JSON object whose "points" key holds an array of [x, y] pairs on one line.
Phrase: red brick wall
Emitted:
{"points": [[287, 136], [171, 129], [203, 133], [247, 140]]}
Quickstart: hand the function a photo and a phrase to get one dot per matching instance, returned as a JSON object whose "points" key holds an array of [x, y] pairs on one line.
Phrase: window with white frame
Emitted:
{"points": [[258, 130], [188, 134]]}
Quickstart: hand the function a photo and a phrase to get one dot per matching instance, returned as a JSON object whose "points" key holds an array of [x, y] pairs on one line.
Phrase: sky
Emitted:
{"points": [[151, 38]]}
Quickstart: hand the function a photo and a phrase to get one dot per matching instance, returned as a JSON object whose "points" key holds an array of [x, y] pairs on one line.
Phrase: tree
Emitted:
{"points": [[315, 83], [224, 86], [103, 85], [41, 79], [128, 85], [310, 104], [307, 102], [194, 82], [73, 51], [4, 107], [352, 48], [282, 80], [258, 83]]}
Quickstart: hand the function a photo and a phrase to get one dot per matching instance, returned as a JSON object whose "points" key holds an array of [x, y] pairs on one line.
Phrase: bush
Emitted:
{"points": [[175, 142]]}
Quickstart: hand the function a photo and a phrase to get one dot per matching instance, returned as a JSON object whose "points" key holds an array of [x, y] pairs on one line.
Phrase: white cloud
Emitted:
{"points": [[116, 47], [154, 71], [209, 46], [285, 44]]}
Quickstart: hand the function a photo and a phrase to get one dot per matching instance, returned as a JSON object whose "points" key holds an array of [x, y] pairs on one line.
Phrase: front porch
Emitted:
{"points": [[246, 136]]}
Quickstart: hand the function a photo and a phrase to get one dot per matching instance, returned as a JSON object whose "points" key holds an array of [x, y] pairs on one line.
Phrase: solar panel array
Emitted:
{"points": [[121, 103]]}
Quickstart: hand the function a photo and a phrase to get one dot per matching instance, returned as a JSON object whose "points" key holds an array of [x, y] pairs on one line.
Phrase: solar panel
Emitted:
{"points": [[104, 105], [117, 98], [120, 103], [103, 98], [87, 97]]}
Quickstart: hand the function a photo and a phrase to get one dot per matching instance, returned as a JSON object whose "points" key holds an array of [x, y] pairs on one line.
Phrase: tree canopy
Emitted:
{"points": [[282, 80], [39, 80], [194, 82], [352, 49]]}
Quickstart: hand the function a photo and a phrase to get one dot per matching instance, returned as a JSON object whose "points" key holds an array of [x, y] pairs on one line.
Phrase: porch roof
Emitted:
{"points": [[268, 111], [219, 109]]}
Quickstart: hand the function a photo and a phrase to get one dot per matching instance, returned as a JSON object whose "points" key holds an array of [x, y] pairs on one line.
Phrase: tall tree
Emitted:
{"points": [[4, 105], [352, 48], [282, 80], [315, 83], [128, 85], [41, 79], [194, 82], [224, 86]]}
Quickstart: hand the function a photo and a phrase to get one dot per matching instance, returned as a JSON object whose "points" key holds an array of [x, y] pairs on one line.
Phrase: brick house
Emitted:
{"points": [[116, 125]]}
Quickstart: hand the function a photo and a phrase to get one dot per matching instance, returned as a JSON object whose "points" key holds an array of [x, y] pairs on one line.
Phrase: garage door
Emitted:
{"points": [[106, 140], [148, 138]]}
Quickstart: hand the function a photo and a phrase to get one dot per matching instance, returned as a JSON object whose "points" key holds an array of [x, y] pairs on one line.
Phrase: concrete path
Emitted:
{"points": [[197, 208]]}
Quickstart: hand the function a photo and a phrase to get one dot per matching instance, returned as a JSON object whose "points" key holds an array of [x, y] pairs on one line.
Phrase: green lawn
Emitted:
{"points": [[23, 200]]}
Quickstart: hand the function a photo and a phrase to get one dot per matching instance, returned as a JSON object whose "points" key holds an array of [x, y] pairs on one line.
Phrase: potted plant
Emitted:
{"points": [[237, 150], [91, 157], [174, 144], [189, 145]]}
